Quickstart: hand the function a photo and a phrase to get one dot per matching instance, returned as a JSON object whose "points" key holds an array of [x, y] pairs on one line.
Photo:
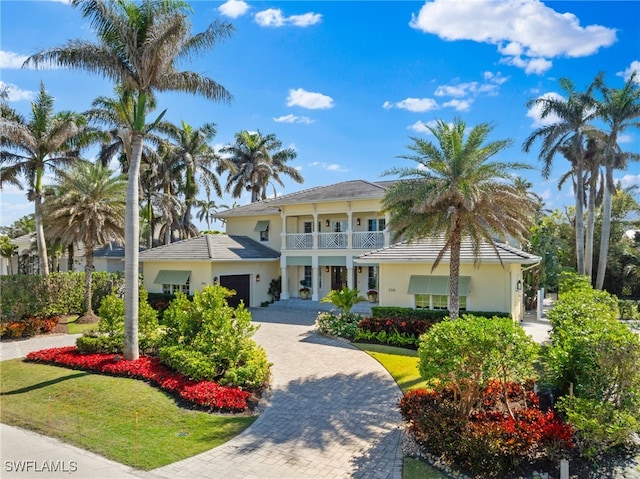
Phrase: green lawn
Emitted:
{"points": [[75, 328], [402, 364], [105, 415]]}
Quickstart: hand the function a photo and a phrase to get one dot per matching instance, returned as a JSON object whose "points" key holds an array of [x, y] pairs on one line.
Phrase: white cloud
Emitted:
{"points": [[305, 20], [293, 119], [526, 32], [334, 167], [418, 105], [233, 8], [625, 138], [310, 100], [459, 105], [535, 112], [11, 60], [423, 127], [273, 17], [629, 180], [16, 93], [634, 67]]}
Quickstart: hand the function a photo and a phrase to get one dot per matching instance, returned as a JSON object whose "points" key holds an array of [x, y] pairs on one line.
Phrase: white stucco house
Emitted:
{"points": [[329, 237]]}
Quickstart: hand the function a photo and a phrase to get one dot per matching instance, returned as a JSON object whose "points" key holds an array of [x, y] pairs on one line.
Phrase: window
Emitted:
{"points": [[372, 278], [307, 227], [262, 226], [308, 271], [376, 224], [437, 301], [174, 288]]}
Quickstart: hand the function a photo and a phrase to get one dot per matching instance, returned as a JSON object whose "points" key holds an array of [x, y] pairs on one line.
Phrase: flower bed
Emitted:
{"points": [[202, 393]]}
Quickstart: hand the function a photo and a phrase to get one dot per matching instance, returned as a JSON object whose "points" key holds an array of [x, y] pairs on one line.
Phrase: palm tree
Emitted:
{"points": [[190, 147], [88, 207], [620, 110], [457, 192], [140, 44], [257, 160], [207, 207], [47, 141], [574, 116]]}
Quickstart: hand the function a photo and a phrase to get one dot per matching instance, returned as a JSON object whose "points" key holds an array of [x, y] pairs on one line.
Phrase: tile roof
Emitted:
{"points": [[211, 248], [425, 250], [346, 190]]}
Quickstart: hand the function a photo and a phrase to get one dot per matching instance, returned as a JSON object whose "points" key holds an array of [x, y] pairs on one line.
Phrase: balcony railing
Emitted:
{"points": [[299, 241], [368, 240], [359, 240]]}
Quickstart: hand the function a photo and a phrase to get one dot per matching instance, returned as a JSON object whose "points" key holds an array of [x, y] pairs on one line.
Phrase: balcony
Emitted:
{"points": [[365, 240]]}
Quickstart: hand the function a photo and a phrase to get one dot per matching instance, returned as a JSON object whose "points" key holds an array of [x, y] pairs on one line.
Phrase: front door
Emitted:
{"points": [[338, 277]]}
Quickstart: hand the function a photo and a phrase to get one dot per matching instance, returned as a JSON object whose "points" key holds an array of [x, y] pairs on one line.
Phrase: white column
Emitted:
{"points": [[283, 235], [314, 228], [284, 286], [314, 278], [350, 272]]}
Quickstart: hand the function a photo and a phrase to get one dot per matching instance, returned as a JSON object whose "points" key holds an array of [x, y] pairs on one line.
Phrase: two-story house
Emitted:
{"points": [[328, 237]]}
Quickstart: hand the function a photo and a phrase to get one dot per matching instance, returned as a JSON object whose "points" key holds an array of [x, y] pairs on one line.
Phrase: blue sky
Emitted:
{"points": [[348, 83]]}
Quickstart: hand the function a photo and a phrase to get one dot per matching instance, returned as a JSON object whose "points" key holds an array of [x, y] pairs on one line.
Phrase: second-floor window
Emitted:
{"points": [[264, 235], [307, 227], [376, 224]]}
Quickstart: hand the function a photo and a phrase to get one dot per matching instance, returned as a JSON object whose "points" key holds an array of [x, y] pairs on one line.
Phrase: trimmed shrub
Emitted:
{"points": [[466, 353], [343, 325], [429, 315], [110, 335], [207, 338]]}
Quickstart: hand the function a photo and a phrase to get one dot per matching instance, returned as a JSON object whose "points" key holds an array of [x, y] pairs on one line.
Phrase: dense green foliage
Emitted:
{"points": [[109, 338], [343, 325], [208, 339], [466, 353], [433, 315], [55, 294], [594, 361]]}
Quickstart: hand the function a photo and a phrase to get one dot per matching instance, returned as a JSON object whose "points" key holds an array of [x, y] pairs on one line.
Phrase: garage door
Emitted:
{"points": [[239, 283]]}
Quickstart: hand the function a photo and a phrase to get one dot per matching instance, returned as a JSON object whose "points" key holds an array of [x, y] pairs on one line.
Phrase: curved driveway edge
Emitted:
{"points": [[332, 414]]}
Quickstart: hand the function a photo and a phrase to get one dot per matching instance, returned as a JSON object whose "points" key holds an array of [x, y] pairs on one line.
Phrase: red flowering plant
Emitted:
{"points": [[202, 393]]}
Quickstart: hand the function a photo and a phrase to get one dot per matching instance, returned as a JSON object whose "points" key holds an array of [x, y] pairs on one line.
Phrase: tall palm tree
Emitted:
{"points": [[575, 113], [208, 207], [47, 141], [456, 191], [257, 160], [88, 207], [620, 110], [190, 148], [139, 46]]}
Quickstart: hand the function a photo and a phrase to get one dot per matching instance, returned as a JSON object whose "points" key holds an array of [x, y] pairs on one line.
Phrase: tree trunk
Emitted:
{"points": [[591, 220], [454, 273], [580, 220], [70, 257], [132, 245], [88, 270], [606, 226], [40, 240]]}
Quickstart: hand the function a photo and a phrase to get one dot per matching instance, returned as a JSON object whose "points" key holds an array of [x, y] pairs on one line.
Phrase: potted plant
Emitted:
{"points": [[275, 287], [305, 291], [372, 295]]}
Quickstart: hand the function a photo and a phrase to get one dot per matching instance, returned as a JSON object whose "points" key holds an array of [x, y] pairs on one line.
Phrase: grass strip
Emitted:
{"points": [[123, 419]]}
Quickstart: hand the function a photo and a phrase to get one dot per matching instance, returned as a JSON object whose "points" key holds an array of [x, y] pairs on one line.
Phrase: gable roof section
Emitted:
{"points": [[425, 250], [211, 248], [344, 191]]}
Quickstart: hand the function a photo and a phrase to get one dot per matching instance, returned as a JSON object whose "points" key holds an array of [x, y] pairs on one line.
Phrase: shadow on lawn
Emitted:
{"points": [[45, 384]]}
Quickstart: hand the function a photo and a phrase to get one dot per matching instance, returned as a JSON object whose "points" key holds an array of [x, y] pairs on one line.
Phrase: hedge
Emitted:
{"points": [[429, 315], [56, 294]]}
